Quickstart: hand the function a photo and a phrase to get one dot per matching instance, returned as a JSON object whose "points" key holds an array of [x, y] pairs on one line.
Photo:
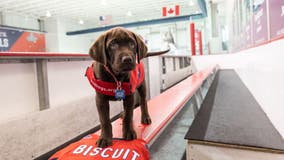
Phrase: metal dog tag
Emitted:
{"points": [[119, 94]]}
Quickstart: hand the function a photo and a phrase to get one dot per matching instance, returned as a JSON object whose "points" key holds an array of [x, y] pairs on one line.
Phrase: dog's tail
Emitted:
{"points": [[149, 54]]}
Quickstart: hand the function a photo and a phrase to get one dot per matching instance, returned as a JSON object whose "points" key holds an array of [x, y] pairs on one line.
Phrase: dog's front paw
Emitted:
{"points": [[104, 142], [129, 134], [146, 120]]}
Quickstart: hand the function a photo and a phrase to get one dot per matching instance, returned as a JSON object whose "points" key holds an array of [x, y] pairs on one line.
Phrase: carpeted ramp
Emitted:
{"points": [[231, 117]]}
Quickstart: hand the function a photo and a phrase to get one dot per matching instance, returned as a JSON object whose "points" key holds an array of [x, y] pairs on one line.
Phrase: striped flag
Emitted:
{"points": [[105, 20], [170, 11]]}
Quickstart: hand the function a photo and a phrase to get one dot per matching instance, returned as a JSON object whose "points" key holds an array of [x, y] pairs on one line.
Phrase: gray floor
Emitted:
{"points": [[171, 143]]}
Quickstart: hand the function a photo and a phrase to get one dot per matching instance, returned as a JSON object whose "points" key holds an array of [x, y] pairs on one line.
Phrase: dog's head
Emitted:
{"points": [[118, 48]]}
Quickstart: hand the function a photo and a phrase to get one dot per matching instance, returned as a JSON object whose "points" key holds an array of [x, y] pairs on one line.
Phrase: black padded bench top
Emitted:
{"points": [[230, 116]]}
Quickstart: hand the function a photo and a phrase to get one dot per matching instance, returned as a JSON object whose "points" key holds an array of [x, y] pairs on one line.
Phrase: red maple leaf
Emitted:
{"points": [[170, 11]]}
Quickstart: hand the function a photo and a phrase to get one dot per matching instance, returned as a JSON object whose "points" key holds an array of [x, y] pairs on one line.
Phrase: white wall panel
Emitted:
{"points": [[155, 72], [262, 70], [18, 90], [67, 82]]}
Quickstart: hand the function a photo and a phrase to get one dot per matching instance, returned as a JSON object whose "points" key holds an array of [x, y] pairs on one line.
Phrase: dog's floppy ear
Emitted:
{"points": [[98, 50], [141, 48]]}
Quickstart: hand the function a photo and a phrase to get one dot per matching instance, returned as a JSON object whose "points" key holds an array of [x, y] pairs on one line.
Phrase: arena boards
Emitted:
{"points": [[162, 109]]}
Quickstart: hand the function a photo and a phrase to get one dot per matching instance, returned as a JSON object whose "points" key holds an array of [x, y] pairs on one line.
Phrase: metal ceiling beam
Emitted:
{"points": [[202, 6], [141, 23], [19, 28]]}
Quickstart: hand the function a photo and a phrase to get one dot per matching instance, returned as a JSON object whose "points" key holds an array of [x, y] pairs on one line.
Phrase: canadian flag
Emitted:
{"points": [[171, 11]]}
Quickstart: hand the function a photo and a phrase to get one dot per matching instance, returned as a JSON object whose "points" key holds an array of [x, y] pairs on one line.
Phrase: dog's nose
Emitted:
{"points": [[126, 59]]}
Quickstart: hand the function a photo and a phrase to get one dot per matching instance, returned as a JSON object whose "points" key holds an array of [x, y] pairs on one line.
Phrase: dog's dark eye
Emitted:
{"points": [[131, 45], [114, 45]]}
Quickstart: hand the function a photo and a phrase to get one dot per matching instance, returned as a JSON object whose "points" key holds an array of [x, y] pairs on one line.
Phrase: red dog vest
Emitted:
{"points": [[108, 88]]}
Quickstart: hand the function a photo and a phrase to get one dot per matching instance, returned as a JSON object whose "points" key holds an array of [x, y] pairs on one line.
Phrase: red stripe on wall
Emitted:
{"points": [[164, 11], [177, 10]]}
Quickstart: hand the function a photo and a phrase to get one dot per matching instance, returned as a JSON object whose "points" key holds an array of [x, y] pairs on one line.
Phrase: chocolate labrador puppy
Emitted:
{"points": [[115, 74]]}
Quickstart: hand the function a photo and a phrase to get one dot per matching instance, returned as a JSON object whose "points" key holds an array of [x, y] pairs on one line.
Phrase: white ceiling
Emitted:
{"points": [[90, 10]]}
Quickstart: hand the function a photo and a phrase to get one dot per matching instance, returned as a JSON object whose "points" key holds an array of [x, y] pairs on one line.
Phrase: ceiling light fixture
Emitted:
{"points": [[47, 14], [103, 2], [191, 3], [129, 13], [81, 21]]}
